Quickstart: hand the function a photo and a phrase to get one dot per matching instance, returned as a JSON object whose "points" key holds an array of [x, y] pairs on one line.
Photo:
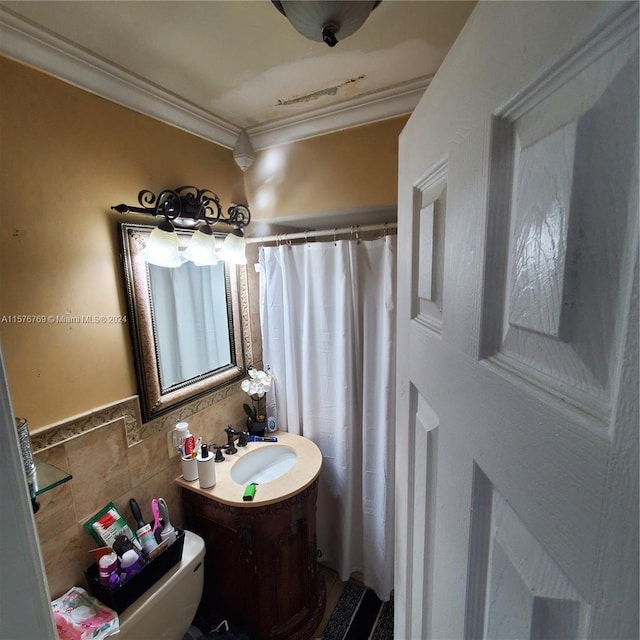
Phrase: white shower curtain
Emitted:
{"points": [[327, 311]]}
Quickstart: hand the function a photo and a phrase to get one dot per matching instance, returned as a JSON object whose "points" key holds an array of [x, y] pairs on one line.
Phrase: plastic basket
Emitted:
{"points": [[125, 595]]}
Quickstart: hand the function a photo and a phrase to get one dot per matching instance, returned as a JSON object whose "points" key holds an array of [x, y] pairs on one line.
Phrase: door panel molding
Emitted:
{"points": [[430, 223], [422, 462], [559, 262], [479, 541]]}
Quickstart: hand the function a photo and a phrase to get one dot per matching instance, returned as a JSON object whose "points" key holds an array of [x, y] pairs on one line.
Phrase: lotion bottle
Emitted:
{"points": [[206, 468]]}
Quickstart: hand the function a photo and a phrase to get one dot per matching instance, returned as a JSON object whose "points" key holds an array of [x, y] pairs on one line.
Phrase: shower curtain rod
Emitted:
{"points": [[304, 235]]}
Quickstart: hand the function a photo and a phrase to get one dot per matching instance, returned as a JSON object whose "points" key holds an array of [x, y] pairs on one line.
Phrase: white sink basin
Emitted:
{"points": [[264, 464], [282, 468]]}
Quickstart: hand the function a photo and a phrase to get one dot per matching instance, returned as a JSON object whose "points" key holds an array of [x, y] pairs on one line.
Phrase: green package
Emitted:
{"points": [[106, 525]]}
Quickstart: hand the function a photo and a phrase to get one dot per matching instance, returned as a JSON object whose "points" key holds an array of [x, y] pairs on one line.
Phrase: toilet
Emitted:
{"points": [[166, 610]]}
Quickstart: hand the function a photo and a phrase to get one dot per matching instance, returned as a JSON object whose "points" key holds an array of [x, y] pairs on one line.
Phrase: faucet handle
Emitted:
{"points": [[243, 439], [219, 457]]}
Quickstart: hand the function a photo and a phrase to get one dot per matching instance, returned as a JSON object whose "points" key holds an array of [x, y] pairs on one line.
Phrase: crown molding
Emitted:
{"points": [[25, 42], [372, 107], [28, 43]]}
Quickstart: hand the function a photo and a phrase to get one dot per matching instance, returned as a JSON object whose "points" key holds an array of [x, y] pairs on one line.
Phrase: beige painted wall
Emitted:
{"points": [[347, 170], [67, 156]]}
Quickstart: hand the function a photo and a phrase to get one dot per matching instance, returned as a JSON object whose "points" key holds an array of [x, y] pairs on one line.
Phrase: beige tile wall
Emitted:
{"points": [[105, 468]]}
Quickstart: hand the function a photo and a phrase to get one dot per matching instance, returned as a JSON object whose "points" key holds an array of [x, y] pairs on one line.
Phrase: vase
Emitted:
{"points": [[256, 428]]}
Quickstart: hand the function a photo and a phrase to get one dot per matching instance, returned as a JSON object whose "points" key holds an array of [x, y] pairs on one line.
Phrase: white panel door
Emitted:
{"points": [[517, 411]]}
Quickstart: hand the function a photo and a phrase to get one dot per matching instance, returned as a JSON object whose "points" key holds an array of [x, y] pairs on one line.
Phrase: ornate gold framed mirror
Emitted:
{"points": [[188, 324]]}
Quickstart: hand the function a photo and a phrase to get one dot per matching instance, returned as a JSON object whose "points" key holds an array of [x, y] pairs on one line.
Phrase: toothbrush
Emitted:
{"points": [[263, 439]]}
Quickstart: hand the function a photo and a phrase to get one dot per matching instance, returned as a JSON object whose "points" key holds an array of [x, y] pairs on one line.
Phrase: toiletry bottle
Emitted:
{"points": [[190, 446], [130, 564], [107, 566], [206, 468], [180, 434]]}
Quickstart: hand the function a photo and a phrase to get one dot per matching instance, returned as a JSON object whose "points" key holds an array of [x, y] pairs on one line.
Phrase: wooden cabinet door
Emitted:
{"points": [[261, 568]]}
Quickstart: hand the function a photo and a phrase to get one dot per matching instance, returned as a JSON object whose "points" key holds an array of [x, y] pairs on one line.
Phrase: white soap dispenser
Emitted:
{"points": [[206, 468]]}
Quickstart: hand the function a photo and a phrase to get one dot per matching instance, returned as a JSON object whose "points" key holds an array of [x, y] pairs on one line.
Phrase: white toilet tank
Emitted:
{"points": [[166, 610]]}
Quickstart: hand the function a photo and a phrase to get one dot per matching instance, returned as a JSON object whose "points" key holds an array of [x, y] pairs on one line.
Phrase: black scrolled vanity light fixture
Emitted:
{"points": [[188, 207]]}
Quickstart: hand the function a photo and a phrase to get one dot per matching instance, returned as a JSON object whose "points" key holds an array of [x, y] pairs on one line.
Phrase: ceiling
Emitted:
{"points": [[216, 67]]}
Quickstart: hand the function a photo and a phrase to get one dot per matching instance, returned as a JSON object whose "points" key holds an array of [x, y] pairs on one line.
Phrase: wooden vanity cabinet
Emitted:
{"points": [[261, 570]]}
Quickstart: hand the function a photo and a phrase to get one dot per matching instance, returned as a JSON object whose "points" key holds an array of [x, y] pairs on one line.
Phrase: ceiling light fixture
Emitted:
{"points": [[324, 20], [243, 152], [189, 208]]}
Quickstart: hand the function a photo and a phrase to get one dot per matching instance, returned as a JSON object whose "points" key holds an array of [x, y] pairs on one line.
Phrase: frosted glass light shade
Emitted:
{"points": [[202, 248], [243, 152], [162, 248], [233, 248]]}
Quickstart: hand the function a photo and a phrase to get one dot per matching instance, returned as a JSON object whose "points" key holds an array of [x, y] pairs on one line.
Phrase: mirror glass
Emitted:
{"points": [[191, 321], [187, 324]]}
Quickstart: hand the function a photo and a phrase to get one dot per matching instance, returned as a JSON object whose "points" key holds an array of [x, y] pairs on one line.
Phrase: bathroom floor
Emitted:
{"points": [[354, 611], [334, 587]]}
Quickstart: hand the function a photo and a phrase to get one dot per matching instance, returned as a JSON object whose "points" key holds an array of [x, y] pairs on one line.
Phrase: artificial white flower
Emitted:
{"points": [[257, 384]]}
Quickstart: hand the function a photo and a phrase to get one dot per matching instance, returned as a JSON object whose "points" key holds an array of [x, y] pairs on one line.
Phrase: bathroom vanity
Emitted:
{"points": [[261, 570]]}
